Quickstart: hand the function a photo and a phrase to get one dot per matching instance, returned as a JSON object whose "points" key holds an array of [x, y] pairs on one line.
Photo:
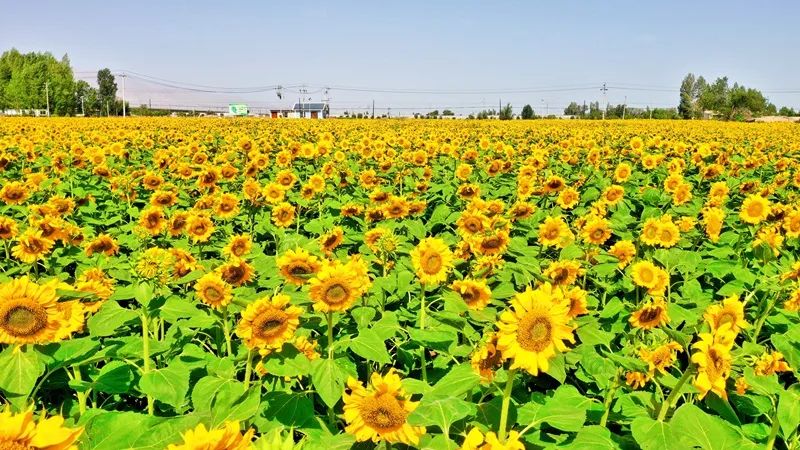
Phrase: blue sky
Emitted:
{"points": [[473, 48]]}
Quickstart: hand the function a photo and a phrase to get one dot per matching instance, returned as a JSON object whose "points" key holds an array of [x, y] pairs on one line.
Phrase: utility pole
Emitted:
{"points": [[123, 75], [624, 107], [605, 102], [373, 108], [83, 110], [47, 96]]}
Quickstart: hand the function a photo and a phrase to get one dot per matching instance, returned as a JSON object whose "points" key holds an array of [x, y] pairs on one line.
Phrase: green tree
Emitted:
{"points": [[447, 112], [687, 104], [507, 113], [106, 90], [527, 112]]}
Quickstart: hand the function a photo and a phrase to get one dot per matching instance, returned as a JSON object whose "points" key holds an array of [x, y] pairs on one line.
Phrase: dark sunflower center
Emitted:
{"points": [[24, 320], [272, 323], [383, 412], [432, 263], [597, 233], [534, 333], [213, 294], [492, 243], [649, 315], [336, 294], [11, 445], [299, 270]]}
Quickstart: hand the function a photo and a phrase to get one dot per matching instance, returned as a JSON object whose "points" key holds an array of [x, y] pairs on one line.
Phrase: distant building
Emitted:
{"points": [[303, 110], [24, 112]]}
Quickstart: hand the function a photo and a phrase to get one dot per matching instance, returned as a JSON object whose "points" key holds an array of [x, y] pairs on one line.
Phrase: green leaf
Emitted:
{"points": [[695, 428], [458, 381], [441, 412], [652, 434], [110, 318], [594, 437], [328, 378], [290, 409], [789, 409], [168, 385], [565, 410], [69, 352], [116, 377], [20, 368], [114, 430], [370, 346], [289, 362]]}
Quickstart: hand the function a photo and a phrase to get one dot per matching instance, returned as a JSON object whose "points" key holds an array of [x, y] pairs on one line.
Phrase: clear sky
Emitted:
{"points": [[467, 54]]}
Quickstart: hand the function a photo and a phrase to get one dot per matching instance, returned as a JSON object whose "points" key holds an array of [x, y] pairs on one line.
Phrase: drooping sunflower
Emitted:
{"points": [[228, 437], [298, 266], [269, 322], [31, 246], [212, 290], [661, 357], [563, 273], [475, 293], [19, 432], [379, 412], [335, 288], [535, 329], [652, 314], [432, 260], [771, 363], [486, 359], [713, 358], [331, 240], [755, 209], [576, 299], [29, 312], [8, 228], [713, 219]]}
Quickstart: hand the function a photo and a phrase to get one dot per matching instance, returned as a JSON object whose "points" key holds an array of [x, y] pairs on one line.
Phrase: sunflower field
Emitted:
{"points": [[394, 284]]}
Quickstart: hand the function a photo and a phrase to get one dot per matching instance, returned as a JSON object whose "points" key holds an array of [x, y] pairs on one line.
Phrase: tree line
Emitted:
{"points": [[30, 81]]}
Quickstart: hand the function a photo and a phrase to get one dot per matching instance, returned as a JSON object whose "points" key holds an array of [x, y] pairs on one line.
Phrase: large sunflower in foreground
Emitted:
{"points": [[19, 432], [269, 322], [379, 412], [535, 328], [31, 246], [29, 313], [432, 260], [229, 437]]}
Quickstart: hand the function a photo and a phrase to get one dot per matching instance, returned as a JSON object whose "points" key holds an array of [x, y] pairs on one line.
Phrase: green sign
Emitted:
{"points": [[237, 109]]}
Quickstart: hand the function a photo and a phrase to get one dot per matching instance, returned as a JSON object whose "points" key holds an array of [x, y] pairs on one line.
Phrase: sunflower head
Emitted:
{"points": [[29, 312], [298, 266], [432, 260], [269, 322], [20, 432], [228, 437]]}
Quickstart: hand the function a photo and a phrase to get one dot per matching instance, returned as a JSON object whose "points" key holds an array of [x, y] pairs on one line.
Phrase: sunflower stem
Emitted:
{"points": [[226, 329], [761, 319], [662, 413], [422, 315], [81, 395], [773, 432], [146, 355], [248, 369], [501, 432], [609, 398], [329, 318]]}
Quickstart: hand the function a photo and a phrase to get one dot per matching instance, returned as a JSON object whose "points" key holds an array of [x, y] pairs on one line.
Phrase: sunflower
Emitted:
{"points": [[475, 293], [793, 302], [650, 235], [652, 314], [713, 358], [613, 194], [269, 322], [432, 260], [554, 183], [273, 193], [239, 246], [730, 313], [576, 299], [755, 209], [596, 230], [335, 288], [155, 263], [637, 380], [624, 251], [645, 274], [668, 233], [331, 240], [396, 207], [521, 210], [568, 198], [622, 172], [283, 214], [486, 359], [227, 206], [494, 243], [554, 232], [534, 329], [379, 412], [31, 246], [660, 358], [73, 317], [236, 272], [29, 313], [563, 273], [228, 437], [19, 432], [472, 222], [185, 262], [177, 223], [8, 228], [14, 193], [476, 440], [298, 266], [163, 199], [713, 219], [152, 219], [771, 363], [104, 244], [199, 227], [212, 290]]}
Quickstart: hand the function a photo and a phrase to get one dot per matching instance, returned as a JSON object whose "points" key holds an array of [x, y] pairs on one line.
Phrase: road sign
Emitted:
{"points": [[237, 109]]}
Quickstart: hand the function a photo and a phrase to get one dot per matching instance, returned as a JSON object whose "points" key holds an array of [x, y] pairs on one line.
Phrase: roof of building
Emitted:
{"points": [[309, 107]]}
